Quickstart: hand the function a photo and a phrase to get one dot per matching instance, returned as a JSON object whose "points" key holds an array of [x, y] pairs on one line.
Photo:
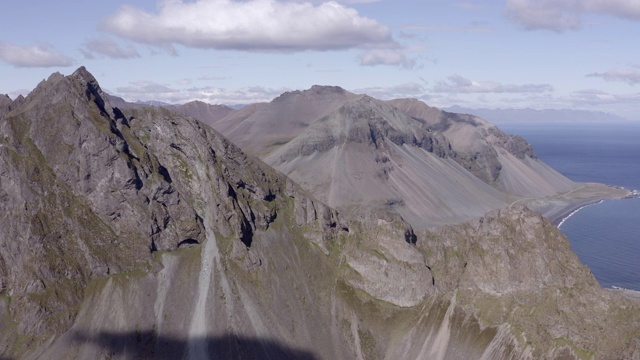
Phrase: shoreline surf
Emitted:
{"points": [[570, 214]]}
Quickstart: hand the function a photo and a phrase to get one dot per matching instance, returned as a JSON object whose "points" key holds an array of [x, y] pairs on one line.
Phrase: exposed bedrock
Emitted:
{"points": [[146, 234]]}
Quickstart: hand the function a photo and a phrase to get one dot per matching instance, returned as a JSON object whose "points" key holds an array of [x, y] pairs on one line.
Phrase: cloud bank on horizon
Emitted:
{"points": [[523, 53]]}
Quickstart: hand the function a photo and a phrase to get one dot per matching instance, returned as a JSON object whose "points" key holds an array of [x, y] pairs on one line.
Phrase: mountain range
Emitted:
{"points": [[430, 166], [384, 229], [534, 116]]}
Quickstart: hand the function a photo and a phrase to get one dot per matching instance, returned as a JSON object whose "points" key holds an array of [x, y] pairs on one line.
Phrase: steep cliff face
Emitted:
{"points": [[146, 234], [504, 161], [367, 153], [87, 192], [429, 166]]}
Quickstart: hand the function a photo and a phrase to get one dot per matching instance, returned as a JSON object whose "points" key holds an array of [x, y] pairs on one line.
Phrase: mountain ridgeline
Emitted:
{"points": [[139, 232], [429, 166]]}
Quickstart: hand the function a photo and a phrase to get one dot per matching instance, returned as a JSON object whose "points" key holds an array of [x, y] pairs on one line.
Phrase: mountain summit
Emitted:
{"points": [[429, 166], [142, 233]]}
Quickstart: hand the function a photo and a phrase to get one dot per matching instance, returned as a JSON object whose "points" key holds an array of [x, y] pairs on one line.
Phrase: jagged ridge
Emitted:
{"points": [[248, 265]]}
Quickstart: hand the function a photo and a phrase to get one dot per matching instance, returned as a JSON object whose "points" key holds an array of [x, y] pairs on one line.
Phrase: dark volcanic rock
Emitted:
{"points": [[87, 191]]}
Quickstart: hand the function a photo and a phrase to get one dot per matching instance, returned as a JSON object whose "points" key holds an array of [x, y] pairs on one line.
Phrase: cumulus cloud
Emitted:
{"points": [[109, 48], [561, 15], [629, 76], [459, 84], [386, 57], [33, 56], [252, 25]]}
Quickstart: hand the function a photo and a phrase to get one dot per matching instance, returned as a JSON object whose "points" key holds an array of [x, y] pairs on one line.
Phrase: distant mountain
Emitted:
{"points": [[145, 234], [121, 103], [509, 116], [202, 111], [6, 104], [403, 156], [259, 127], [152, 103]]}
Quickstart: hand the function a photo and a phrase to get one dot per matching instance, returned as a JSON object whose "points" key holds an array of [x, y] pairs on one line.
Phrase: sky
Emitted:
{"points": [[545, 54]]}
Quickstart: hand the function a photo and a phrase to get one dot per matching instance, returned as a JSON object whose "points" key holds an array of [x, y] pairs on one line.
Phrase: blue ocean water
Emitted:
{"points": [[605, 236]]}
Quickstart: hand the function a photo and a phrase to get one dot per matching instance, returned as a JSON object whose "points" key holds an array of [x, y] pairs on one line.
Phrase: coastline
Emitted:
{"points": [[561, 207], [629, 294], [569, 212]]}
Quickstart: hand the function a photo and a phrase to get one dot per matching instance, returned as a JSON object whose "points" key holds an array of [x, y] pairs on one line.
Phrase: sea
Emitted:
{"points": [[606, 236]]}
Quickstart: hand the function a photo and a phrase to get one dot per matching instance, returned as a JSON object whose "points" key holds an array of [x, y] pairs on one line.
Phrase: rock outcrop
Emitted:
{"points": [[403, 156], [207, 113], [88, 192], [145, 234], [504, 161]]}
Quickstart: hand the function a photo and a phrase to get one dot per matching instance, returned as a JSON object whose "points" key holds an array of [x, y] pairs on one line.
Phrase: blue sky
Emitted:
{"points": [[484, 54]]}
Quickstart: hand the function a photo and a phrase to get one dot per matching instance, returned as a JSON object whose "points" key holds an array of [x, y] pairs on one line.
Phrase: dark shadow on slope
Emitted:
{"points": [[148, 345]]}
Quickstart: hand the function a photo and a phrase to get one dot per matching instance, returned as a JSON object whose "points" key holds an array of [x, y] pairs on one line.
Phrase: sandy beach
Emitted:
{"points": [[626, 293], [559, 207]]}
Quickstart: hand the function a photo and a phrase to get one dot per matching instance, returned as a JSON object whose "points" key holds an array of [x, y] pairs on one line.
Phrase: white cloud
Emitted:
{"points": [[108, 47], [33, 56], [545, 14], [147, 88], [152, 91], [386, 57], [458, 84], [253, 25], [407, 90], [340, 1], [629, 76], [561, 15]]}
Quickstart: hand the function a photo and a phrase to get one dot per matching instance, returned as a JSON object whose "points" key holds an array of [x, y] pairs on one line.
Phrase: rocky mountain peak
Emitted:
{"points": [[147, 234], [326, 89], [83, 74], [316, 92], [104, 190], [5, 104], [372, 121], [80, 85]]}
